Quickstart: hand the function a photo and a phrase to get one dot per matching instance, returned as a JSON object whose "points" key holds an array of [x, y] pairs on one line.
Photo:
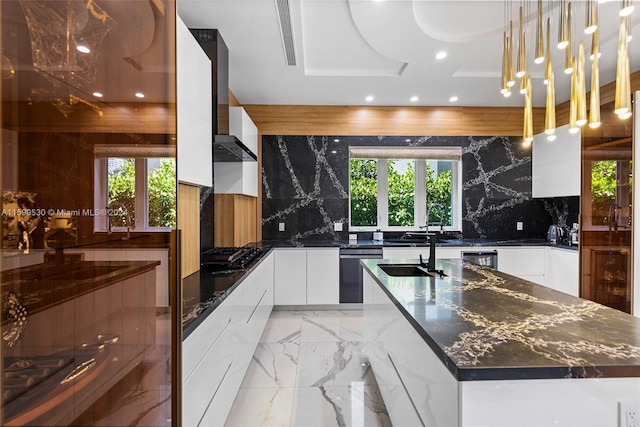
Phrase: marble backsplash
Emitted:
{"points": [[305, 185]]}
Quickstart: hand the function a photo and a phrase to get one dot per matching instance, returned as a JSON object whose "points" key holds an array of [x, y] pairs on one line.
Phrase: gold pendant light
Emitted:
{"points": [[591, 17], [594, 101], [623, 94], [522, 50], [627, 8], [563, 40], [581, 106], [573, 101], [548, 53], [539, 59], [503, 81], [595, 44], [528, 113], [568, 52], [510, 77], [550, 112]]}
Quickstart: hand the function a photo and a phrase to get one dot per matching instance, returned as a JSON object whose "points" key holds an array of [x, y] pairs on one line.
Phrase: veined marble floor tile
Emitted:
{"points": [[258, 407], [345, 328], [354, 406], [273, 365], [281, 329], [333, 364]]}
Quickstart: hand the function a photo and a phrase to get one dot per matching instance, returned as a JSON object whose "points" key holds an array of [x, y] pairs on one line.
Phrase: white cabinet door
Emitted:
{"points": [[562, 270], [523, 262], [323, 276], [194, 120], [555, 165], [290, 277]]}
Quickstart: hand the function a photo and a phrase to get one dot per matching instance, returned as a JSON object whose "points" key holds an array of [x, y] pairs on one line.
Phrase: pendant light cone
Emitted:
{"points": [[627, 8], [591, 17], [528, 113], [539, 59], [595, 45], [550, 104], [548, 52], [523, 85], [568, 52], [573, 100], [503, 81], [594, 101], [581, 117], [622, 105], [522, 48], [563, 41], [510, 77]]}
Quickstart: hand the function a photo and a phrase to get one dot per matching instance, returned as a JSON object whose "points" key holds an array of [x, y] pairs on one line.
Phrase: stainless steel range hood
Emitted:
{"points": [[226, 148]]}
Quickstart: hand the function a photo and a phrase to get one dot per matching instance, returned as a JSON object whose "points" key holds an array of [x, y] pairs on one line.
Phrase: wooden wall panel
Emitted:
{"points": [[372, 121], [189, 224], [235, 221]]}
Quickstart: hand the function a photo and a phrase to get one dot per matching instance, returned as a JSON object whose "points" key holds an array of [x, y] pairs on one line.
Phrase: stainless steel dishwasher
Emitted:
{"points": [[485, 258], [351, 272]]}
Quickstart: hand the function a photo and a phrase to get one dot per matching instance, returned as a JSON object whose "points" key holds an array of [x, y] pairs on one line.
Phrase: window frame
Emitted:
{"points": [[101, 193], [622, 199], [420, 197]]}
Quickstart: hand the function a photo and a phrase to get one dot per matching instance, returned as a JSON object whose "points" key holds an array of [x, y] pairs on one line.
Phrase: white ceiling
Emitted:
{"points": [[348, 49]]}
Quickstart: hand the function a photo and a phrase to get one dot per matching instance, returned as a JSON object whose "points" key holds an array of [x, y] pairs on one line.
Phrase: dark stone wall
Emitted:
{"points": [[305, 184]]}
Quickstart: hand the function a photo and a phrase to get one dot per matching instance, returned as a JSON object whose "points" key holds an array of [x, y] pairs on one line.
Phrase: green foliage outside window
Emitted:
{"points": [[401, 194], [122, 194], [364, 194], [161, 192], [603, 189]]}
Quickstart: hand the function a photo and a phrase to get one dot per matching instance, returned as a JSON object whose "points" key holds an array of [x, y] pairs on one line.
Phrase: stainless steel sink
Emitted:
{"points": [[404, 270]]}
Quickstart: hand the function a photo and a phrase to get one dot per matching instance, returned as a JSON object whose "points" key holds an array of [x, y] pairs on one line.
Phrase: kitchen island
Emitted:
{"points": [[483, 348]]}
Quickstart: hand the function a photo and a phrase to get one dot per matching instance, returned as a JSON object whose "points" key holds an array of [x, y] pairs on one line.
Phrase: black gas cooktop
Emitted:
{"points": [[228, 258]]}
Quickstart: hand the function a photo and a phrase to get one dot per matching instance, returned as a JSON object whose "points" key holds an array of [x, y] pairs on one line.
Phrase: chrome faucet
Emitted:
{"points": [[430, 206], [129, 223]]}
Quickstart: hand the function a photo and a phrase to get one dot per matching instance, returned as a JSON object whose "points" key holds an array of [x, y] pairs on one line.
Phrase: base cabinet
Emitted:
{"points": [[217, 354], [563, 270], [307, 276]]}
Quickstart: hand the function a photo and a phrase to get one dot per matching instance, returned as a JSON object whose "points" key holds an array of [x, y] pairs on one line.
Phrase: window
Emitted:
{"points": [[611, 194], [135, 193], [396, 188]]}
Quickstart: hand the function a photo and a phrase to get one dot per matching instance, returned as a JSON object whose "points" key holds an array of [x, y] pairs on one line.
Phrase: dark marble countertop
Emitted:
{"points": [[205, 290], [487, 325], [41, 286], [411, 243]]}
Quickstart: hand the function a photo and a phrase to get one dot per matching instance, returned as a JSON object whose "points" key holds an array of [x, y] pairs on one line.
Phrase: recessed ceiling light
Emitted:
{"points": [[441, 55], [98, 94], [453, 99], [82, 48], [139, 95], [369, 98], [413, 99]]}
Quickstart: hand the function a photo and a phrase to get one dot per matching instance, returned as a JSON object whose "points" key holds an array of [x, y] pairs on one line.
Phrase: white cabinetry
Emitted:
{"points": [[307, 276], [239, 177], [562, 270], [290, 277], [194, 120], [524, 262], [215, 357], [323, 276], [555, 165]]}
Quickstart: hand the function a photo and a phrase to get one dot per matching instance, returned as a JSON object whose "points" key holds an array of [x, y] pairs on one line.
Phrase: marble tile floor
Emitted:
{"points": [[310, 370]]}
